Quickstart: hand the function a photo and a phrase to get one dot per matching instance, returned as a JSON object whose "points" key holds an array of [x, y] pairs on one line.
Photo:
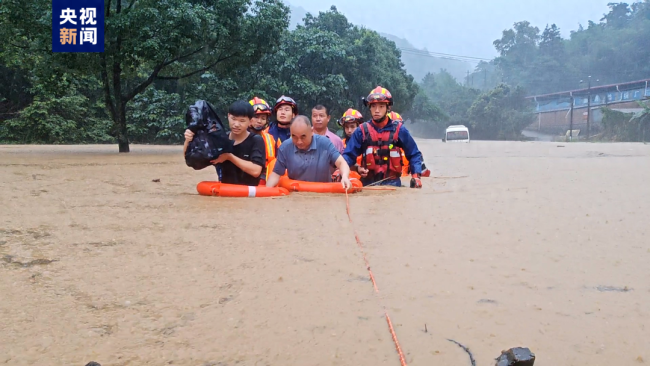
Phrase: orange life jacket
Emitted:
{"points": [[277, 143], [380, 152], [271, 151], [269, 145], [345, 144], [405, 165], [269, 169]]}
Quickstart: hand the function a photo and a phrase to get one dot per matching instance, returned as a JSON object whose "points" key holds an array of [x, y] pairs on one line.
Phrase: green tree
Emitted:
{"points": [[154, 117], [59, 114], [330, 61], [518, 50], [308, 66], [370, 60], [148, 40], [425, 110], [619, 126], [641, 10], [452, 98], [643, 119], [500, 114], [486, 75], [549, 71], [519, 42], [611, 50], [551, 43], [14, 94], [332, 21], [618, 15]]}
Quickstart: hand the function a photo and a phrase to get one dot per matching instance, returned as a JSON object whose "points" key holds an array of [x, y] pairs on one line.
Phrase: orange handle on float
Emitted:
{"points": [[330, 187], [234, 190]]}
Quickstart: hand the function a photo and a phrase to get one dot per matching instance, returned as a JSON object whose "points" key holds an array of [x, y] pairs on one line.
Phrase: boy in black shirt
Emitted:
{"points": [[245, 165]]}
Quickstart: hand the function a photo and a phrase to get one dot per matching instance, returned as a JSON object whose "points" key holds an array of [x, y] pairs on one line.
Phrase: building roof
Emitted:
{"points": [[594, 89]]}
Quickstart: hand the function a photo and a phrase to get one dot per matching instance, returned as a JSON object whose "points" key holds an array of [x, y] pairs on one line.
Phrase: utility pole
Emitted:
{"points": [[467, 84], [588, 107], [571, 120]]}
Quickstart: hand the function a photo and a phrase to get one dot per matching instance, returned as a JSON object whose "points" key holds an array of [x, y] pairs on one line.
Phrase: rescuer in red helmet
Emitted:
{"points": [[258, 126], [380, 142], [285, 110], [406, 168]]}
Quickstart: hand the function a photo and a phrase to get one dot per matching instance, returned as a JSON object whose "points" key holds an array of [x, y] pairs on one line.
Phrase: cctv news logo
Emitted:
{"points": [[78, 25]]}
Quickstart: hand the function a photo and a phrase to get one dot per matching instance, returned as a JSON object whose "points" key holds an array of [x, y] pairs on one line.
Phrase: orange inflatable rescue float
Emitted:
{"points": [[333, 187], [234, 190]]}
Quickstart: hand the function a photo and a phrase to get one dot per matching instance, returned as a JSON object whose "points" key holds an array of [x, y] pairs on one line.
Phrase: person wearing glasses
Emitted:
{"points": [[380, 142]]}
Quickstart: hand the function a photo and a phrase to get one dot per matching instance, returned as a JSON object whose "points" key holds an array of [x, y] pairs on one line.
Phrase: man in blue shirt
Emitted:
{"points": [[308, 157], [378, 141], [285, 110]]}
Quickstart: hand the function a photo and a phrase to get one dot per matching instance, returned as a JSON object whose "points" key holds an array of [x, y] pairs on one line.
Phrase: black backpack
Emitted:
{"points": [[210, 136]]}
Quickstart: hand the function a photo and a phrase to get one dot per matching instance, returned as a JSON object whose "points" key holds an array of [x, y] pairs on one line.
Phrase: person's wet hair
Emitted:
{"points": [[301, 119], [241, 108], [320, 107]]}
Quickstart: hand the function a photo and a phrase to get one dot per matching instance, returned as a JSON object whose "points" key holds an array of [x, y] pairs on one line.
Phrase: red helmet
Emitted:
{"points": [[350, 116], [284, 100], [394, 116], [260, 106], [378, 95]]}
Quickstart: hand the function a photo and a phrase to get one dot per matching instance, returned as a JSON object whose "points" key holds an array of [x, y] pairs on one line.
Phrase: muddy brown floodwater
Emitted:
{"points": [[541, 245]]}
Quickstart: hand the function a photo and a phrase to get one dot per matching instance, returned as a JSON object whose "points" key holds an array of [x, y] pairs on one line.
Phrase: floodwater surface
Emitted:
{"points": [[534, 244]]}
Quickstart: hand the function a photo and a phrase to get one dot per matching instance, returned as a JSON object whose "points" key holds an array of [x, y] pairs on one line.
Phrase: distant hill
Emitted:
{"points": [[297, 15], [416, 65], [420, 65]]}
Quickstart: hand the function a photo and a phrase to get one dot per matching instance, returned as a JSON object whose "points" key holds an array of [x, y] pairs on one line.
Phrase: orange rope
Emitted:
{"points": [[402, 360], [392, 333]]}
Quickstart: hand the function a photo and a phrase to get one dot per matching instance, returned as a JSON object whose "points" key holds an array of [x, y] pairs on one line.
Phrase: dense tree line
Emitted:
{"points": [[162, 55], [491, 100], [613, 50], [500, 113]]}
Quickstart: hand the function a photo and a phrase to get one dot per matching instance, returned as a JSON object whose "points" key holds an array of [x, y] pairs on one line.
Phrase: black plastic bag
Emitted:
{"points": [[210, 137]]}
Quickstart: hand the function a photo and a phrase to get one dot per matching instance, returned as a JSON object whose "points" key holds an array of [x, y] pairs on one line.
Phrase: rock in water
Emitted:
{"points": [[517, 356]]}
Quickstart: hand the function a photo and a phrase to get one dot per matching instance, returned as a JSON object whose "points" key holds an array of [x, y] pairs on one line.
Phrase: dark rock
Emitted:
{"points": [[93, 363], [517, 356]]}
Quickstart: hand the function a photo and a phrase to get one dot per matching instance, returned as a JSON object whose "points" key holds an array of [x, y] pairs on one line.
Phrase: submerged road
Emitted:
{"points": [[509, 244]]}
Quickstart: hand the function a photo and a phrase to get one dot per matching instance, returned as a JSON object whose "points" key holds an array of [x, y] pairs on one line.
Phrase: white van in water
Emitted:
{"points": [[458, 133]]}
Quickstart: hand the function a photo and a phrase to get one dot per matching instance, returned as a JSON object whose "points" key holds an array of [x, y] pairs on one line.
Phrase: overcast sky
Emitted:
{"points": [[461, 27]]}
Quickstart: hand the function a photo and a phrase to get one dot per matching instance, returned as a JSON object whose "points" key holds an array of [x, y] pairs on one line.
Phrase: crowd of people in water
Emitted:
{"points": [[379, 151]]}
